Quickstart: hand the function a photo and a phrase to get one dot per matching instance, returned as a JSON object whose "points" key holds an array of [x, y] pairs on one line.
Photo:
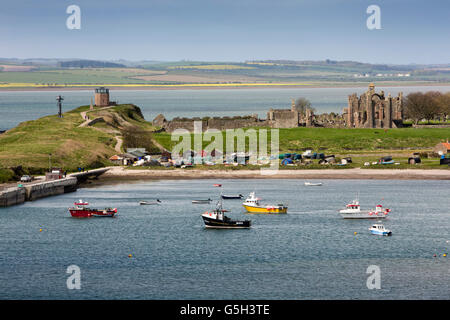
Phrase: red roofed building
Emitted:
{"points": [[443, 147]]}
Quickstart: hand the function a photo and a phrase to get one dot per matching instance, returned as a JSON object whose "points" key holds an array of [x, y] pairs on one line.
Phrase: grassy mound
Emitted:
{"points": [[70, 145]]}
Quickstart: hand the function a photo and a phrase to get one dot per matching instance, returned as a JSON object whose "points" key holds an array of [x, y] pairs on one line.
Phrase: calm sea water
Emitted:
{"points": [[310, 253], [19, 106]]}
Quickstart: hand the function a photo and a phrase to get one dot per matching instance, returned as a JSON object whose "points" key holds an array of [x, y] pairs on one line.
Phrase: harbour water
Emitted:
{"points": [[309, 253], [19, 106]]}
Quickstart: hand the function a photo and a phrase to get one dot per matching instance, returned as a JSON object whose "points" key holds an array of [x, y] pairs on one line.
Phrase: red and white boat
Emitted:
{"points": [[81, 210], [353, 211]]}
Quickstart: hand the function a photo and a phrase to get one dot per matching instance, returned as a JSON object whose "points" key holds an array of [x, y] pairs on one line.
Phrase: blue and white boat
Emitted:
{"points": [[380, 230]]}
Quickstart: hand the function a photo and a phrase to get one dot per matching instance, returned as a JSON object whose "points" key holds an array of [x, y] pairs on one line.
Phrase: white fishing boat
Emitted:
{"points": [[313, 184], [353, 211], [380, 230]]}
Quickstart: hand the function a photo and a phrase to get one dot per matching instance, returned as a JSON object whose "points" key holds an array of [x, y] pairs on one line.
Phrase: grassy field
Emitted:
{"points": [[6, 175], [346, 141], [78, 76], [362, 145]]}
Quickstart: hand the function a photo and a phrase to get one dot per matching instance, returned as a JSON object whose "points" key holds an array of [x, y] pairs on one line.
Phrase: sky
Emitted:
{"points": [[234, 30]]}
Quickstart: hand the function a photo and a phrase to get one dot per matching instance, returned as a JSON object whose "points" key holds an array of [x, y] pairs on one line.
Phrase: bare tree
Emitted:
{"points": [[444, 105], [432, 107], [419, 105], [303, 104]]}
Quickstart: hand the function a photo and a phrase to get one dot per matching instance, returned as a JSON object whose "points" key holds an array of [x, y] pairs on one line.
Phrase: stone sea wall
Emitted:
{"points": [[18, 195]]}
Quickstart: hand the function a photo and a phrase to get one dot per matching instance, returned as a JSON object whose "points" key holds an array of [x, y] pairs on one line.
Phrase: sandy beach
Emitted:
{"points": [[120, 173]]}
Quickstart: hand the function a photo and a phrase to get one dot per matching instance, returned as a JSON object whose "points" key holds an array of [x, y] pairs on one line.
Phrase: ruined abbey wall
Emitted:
{"points": [[370, 110], [374, 110], [219, 123]]}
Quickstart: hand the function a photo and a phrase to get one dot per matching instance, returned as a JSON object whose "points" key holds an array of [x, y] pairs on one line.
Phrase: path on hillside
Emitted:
{"points": [[119, 139], [84, 113], [119, 143]]}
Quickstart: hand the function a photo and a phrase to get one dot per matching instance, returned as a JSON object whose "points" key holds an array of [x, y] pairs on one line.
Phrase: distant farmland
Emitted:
{"points": [[222, 73]]}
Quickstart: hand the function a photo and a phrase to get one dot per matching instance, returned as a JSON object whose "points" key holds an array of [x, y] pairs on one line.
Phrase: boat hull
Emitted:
{"points": [[231, 197], [362, 216], [225, 224], [201, 201], [381, 233], [269, 210]]}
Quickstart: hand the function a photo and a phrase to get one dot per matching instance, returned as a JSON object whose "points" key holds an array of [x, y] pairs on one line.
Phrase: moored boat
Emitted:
{"points": [[148, 203], [380, 230], [252, 205], [217, 219], [353, 211], [81, 210], [201, 201], [230, 197], [313, 184]]}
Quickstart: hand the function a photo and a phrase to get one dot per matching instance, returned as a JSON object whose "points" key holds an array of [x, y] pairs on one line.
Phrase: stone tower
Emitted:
{"points": [[102, 97], [293, 108]]}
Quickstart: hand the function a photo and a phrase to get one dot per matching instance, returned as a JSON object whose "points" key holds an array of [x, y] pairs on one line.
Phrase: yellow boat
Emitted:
{"points": [[252, 205]]}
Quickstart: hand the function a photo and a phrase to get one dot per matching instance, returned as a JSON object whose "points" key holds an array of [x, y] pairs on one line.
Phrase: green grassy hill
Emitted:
{"points": [[71, 146]]}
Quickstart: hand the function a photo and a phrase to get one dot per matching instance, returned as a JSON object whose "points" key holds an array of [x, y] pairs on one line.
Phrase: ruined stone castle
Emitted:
{"points": [[370, 110]]}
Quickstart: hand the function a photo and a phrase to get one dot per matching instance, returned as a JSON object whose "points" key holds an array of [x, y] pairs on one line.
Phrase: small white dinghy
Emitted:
{"points": [[380, 230], [148, 203], [313, 184], [201, 201]]}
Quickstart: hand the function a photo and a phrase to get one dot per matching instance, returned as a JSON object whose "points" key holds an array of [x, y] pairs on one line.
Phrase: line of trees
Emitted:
{"points": [[431, 105]]}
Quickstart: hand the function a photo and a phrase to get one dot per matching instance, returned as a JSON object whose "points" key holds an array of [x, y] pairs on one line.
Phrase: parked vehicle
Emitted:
{"points": [[26, 178]]}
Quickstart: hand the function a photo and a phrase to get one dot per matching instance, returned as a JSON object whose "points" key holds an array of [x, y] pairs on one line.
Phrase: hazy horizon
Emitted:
{"points": [[118, 60], [412, 31]]}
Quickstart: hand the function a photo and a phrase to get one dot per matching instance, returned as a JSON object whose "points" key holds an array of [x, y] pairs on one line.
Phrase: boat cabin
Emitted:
{"points": [[252, 199], [353, 205]]}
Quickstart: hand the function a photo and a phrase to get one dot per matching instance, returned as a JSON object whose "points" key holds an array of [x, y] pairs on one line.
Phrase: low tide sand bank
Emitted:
{"points": [[119, 173]]}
